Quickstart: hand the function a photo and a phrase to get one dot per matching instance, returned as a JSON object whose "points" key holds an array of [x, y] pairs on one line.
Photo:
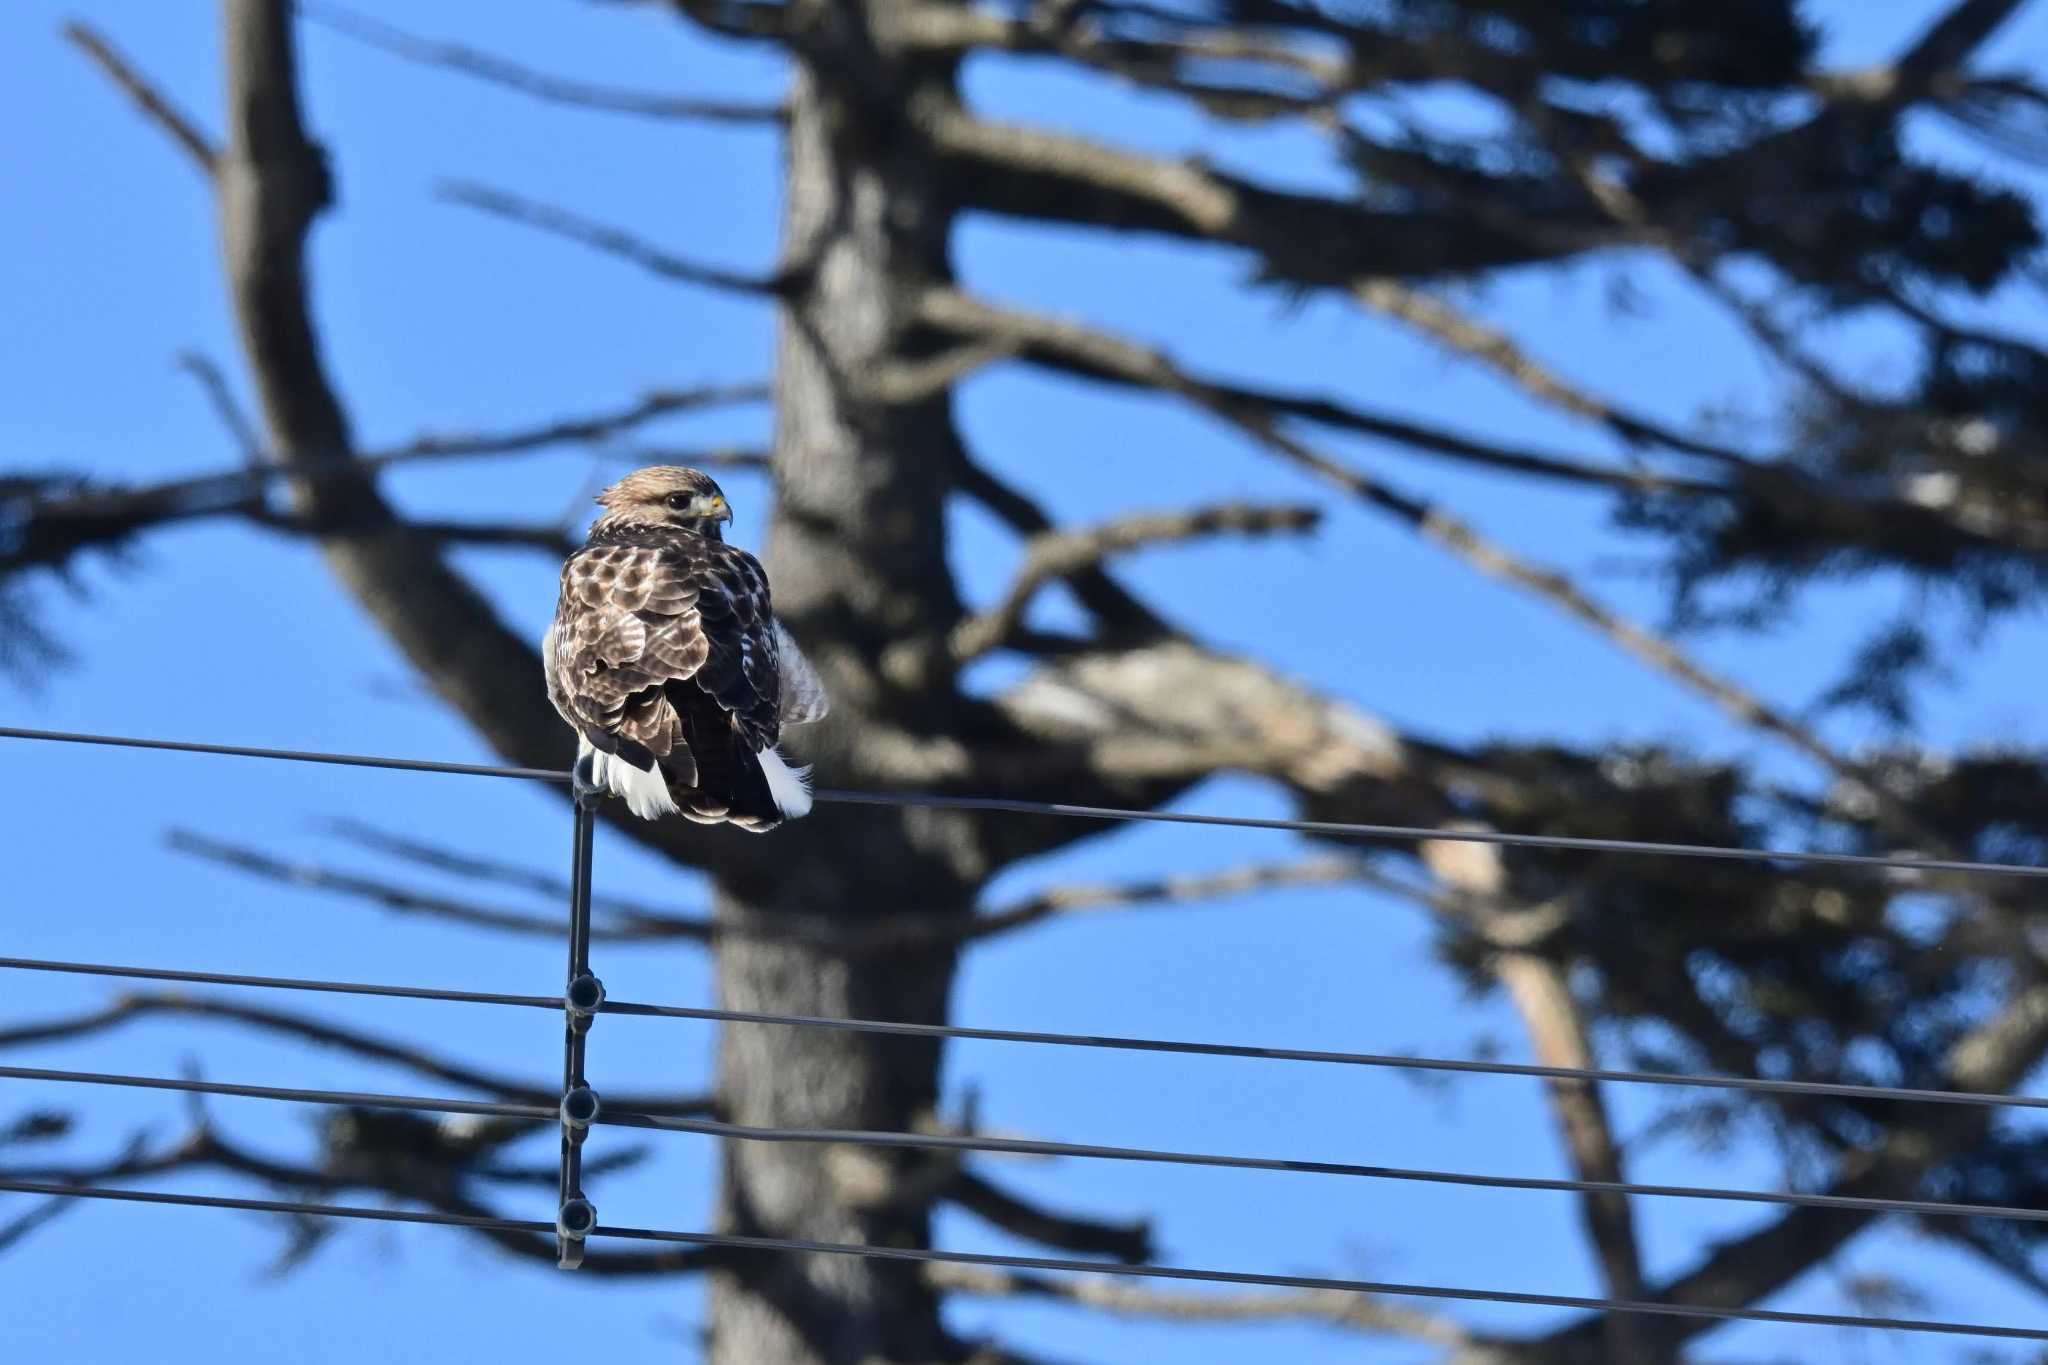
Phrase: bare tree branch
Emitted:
{"points": [[633, 926], [237, 422], [1558, 1033], [563, 223], [554, 89], [1171, 890], [1495, 349], [1112, 604], [1059, 29], [436, 1189], [1936, 56], [1357, 1312], [739, 459], [1056, 555], [548, 884], [989, 335], [635, 921], [745, 18], [1994, 1056], [153, 103], [1115, 359], [1035, 174], [19, 1229], [133, 1007], [1076, 349], [1130, 1242], [587, 428]]}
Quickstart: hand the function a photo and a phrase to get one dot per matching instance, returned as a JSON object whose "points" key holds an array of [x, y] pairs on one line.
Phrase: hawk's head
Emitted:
{"points": [[666, 495]]}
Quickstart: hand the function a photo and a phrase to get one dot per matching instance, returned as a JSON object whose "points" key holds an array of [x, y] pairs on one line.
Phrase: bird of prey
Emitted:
{"points": [[666, 659]]}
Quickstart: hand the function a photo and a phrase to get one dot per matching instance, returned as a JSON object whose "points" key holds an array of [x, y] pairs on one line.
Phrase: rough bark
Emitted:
{"points": [[857, 555]]}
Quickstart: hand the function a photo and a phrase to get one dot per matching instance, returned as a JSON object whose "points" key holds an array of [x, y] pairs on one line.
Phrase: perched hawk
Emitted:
{"points": [[668, 662]]}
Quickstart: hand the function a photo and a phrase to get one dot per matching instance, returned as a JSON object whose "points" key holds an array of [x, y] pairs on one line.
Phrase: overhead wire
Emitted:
{"points": [[1007, 1146], [1022, 1146], [1113, 1042], [1325, 828], [736, 1242]]}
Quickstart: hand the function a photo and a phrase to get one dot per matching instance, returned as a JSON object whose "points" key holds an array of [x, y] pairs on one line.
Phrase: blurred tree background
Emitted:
{"points": [[1789, 463]]}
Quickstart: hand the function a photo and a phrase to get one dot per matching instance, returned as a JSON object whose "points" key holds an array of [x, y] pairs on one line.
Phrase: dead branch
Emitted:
{"points": [[745, 19], [1112, 603], [1172, 890], [1073, 348], [588, 428], [550, 540], [1129, 1242], [1058, 555], [658, 921], [1996, 1055], [1105, 356], [1037, 175], [736, 458], [222, 399], [1557, 1033], [634, 922], [563, 223], [438, 1189], [154, 104], [1495, 349], [635, 926], [499, 71], [78, 515], [988, 335], [137, 1006], [1053, 29], [1358, 1312]]}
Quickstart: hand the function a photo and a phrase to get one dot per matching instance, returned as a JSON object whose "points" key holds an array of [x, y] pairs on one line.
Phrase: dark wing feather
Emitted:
{"points": [[733, 607]]}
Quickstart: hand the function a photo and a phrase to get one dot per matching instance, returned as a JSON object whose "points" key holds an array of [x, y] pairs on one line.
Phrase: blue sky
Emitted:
{"points": [[437, 319]]}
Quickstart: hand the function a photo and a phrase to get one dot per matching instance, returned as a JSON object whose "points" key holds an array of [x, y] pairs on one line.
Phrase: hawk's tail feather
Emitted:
{"points": [[764, 792], [646, 790], [789, 786]]}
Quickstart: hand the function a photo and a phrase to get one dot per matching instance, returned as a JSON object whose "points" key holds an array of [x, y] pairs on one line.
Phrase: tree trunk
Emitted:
{"points": [[857, 557]]}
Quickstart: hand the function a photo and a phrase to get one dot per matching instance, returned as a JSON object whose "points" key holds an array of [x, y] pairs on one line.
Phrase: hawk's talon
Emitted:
{"points": [[583, 782]]}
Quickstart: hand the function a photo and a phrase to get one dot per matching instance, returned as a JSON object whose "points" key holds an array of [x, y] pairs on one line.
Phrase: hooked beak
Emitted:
{"points": [[715, 506]]}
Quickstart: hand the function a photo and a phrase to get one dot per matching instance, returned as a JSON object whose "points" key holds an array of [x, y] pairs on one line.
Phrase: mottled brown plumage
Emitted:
{"points": [[666, 658]]}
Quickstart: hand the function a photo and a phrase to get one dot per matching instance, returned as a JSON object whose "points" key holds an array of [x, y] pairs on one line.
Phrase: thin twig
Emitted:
{"points": [[1121, 361], [1130, 1242], [563, 223], [637, 925], [131, 1008], [154, 104], [554, 89], [246, 438], [1056, 555]]}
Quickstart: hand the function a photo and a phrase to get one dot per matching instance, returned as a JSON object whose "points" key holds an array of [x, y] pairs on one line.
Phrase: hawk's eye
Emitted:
{"points": [[679, 501]]}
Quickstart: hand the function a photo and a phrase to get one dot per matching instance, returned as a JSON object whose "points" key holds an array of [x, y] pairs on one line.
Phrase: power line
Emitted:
{"points": [[1026, 1147], [288, 983], [734, 1242], [580, 1107], [1825, 1089], [358, 1099], [1329, 829]]}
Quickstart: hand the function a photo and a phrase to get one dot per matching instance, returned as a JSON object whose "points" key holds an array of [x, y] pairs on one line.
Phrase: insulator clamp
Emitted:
{"points": [[585, 996]]}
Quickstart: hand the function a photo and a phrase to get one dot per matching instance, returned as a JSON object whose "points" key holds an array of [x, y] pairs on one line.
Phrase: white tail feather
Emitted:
{"points": [[646, 791], [791, 787]]}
